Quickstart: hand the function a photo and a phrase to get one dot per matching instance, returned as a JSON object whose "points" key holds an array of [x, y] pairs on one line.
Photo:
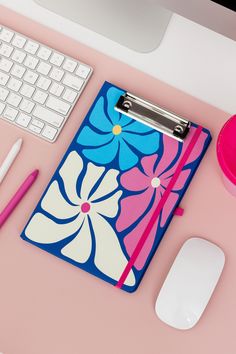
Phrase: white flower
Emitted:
{"points": [[82, 215]]}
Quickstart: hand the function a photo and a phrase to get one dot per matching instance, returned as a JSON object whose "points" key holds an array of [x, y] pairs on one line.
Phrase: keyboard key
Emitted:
{"points": [[58, 105], [3, 93], [6, 35], [49, 132], [83, 71], [57, 59], [48, 116], [44, 68], [2, 106], [43, 83], [72, 81], [18, 41], [37, 123], [40, 96], [27, 106], [31, 47], [18, 71], [69, 65], [14, 84], [38, 86], [10, 113], [3, 78], [27, 90], [56, 74], [14, 99], [5, 65], [6, 50], [35, 129], [44, 53], [23, 120], [56, 89], [30, 77], [31, 62], [18, 56], [69, 95]]}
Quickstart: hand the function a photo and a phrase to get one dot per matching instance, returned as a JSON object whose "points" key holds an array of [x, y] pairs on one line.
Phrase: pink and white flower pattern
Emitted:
{"points": [[147, 185]]}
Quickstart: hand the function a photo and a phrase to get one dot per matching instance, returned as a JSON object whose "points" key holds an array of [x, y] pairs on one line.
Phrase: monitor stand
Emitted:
{"points": [[138, 25]]}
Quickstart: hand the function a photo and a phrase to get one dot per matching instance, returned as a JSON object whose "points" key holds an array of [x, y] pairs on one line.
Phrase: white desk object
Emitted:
{"points": [[191, 58]]}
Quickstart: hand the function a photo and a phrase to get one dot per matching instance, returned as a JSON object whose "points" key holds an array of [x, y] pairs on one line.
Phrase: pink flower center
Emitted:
{"points": [[85, 207]]}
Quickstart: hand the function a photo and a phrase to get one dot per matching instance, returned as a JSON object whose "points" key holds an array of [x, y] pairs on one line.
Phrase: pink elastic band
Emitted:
{"points": [[179, 211], [159, 207]]}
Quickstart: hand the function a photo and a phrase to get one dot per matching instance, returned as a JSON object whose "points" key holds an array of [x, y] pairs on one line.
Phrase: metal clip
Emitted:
{"points": [[153, 116]]}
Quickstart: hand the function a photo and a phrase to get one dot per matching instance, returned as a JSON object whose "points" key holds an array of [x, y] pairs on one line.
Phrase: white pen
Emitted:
{"points": [[10, 158]]}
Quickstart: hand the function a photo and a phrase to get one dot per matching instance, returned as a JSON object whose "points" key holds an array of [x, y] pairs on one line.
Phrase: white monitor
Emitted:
{"points": [[141, 24]]}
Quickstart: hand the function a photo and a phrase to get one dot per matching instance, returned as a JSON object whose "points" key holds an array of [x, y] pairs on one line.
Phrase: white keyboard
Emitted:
{"points": [[38, 85]]}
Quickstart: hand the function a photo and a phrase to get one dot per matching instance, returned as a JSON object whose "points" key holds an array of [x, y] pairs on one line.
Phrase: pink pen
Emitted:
{"points": [[4, 215]]}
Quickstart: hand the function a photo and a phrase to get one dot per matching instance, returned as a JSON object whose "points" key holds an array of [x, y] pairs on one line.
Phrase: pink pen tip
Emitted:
{"points": [[35, 173]]}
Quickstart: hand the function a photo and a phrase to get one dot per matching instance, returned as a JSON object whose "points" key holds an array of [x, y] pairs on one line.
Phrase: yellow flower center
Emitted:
{"points": [[117, 129]]}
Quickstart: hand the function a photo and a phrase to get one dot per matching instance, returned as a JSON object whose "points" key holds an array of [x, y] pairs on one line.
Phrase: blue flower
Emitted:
{"points": [[114, 135]]}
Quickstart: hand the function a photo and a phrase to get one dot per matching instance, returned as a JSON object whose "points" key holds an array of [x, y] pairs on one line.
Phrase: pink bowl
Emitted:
{"points": [[226, 154]]}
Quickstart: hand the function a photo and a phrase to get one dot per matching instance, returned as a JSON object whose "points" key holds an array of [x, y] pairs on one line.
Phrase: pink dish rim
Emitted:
{"points": [[228, 173]]}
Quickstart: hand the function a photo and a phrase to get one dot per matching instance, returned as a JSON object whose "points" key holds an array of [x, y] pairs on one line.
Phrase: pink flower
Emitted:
{"points": [[148, 186]]}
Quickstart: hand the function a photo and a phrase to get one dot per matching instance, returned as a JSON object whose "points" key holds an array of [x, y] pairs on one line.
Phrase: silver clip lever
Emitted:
{"points": [[153, 116]]}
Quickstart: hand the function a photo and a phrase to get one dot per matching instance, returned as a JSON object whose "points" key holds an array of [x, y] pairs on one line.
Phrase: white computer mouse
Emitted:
{"points": [[190, 283]]}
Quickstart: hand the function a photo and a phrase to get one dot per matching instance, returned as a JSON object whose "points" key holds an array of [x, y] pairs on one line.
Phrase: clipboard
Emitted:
{"points": [[118, 186]]}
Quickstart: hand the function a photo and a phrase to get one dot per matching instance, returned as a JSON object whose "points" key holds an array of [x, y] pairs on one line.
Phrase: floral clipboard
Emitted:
{"points": [[114, 193]]}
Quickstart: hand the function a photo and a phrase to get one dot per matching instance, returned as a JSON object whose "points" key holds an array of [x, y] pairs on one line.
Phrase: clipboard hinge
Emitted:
{"points": [[153, 116]]}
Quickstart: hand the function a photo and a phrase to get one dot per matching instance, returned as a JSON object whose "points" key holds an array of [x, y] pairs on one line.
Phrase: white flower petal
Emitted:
{"points": [[107, 185], [79, 249], [70, 172], [92, 175], [54, 203], [109, 257], [108, 207], [41, 229]]}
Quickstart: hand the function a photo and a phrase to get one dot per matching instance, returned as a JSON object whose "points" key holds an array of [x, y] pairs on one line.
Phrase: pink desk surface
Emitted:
{"points": [[48, 306]]}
